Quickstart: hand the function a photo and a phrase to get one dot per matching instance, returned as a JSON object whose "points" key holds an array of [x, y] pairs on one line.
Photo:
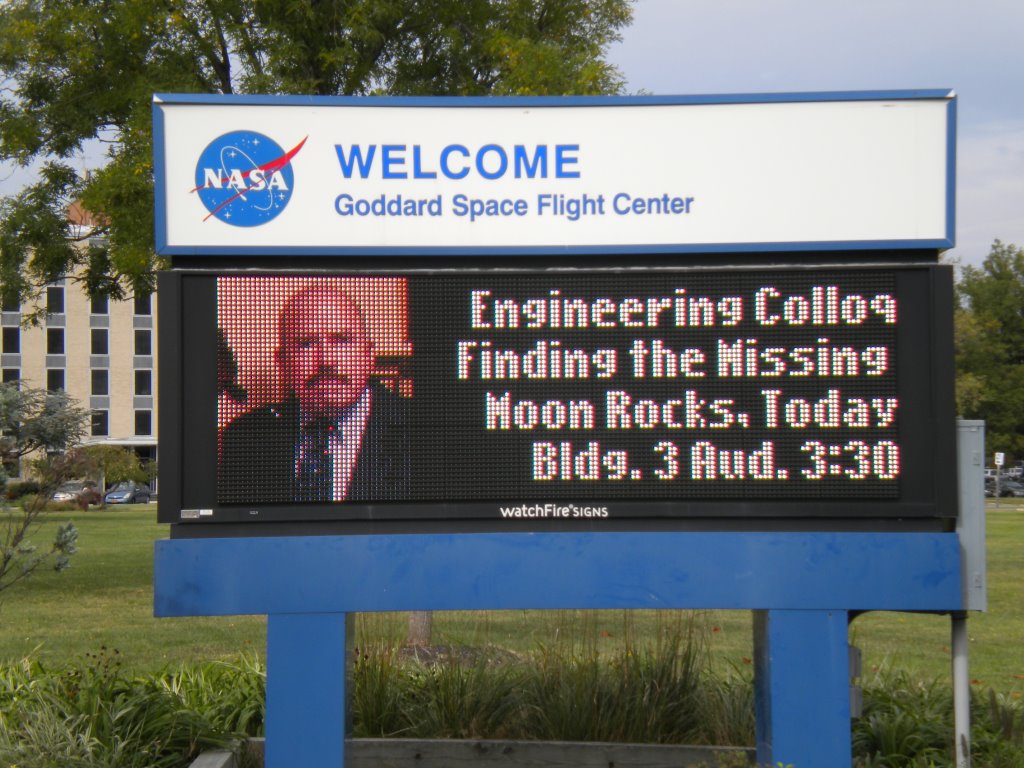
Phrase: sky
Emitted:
{"points": [[784, 46]]}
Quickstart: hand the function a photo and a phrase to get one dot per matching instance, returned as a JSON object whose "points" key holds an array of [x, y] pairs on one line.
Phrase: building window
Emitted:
{"points": [[55, 379], [144, 383], [99, 424], [55, 341], [12, 375], [143, 422], [99, 305], [101, 382], [11, 304], [143, 342], [54, 301], [12, 468], [143, 305], [100, 341], [12, 340]]}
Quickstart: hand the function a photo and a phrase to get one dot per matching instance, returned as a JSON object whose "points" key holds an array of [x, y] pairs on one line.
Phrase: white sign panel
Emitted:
{"points": [[362, 175]]}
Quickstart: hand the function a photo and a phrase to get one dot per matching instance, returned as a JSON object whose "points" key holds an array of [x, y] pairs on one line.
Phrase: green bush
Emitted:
{"points": [[17, 489], [561, 693], [92, 714], [651, 695], [229, 695], [909, 724]]}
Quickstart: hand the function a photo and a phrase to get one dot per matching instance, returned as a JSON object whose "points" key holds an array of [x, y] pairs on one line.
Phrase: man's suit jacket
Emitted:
{"points": [[258, 449]]}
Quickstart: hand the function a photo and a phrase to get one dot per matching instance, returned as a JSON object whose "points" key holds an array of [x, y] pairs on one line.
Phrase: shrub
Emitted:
{"points": [[727, 709], [95, 716], [228, 695], [909, 723], [379, 693], [21, 488], [648, 695], [562, 692], [92, 714]]}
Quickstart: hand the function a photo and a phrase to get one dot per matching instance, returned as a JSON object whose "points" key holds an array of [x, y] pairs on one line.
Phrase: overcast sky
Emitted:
{"points": [[975, 48]]}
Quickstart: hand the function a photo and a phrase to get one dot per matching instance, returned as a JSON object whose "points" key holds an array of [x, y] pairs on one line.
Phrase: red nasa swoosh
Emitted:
{"points": [[273, 166]]}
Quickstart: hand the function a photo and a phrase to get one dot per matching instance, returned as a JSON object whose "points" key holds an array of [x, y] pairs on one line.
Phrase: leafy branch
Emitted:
{"points": [[48, 426]]}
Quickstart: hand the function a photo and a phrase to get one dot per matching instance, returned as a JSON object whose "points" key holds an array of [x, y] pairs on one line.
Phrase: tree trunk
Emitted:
{"points": [[421, 624]]}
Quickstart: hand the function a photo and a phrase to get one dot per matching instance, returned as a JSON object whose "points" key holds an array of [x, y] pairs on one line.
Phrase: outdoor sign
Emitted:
{"points": [[558, 353], [293, 175], [527, 398]]}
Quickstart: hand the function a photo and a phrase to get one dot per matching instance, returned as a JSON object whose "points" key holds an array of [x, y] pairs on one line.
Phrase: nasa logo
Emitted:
{"points": [[244, 178]]}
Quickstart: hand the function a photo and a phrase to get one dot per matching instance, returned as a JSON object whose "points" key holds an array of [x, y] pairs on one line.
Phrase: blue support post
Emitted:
{"points": [[307, 716], [802, 688]]}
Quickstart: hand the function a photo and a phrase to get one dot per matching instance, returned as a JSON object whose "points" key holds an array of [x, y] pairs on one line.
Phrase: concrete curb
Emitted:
{"points": [[218, 759], [452, 753]]}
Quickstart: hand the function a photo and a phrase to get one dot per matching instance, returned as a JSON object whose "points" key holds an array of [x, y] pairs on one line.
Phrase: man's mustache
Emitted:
{"points": [[325, 376]]}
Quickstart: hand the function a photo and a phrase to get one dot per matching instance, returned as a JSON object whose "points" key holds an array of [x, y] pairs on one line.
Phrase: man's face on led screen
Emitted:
{"points": [[324, 355]]}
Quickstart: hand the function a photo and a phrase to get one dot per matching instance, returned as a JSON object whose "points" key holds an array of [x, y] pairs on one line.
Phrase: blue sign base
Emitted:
{"points": [[802, 586]]}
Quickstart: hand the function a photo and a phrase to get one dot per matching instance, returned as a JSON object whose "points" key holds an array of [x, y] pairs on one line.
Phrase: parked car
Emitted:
{"points": [[128, 492], [80, 491], [1011, 488]]}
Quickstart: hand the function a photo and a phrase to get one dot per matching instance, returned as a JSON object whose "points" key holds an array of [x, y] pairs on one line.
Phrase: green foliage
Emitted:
{"points": [[727, 711], [60, 60], [16, 490], [998, 731], [36, 420], [92, 715], [228, 695], [46, 424], [909, 724], [990, 347], [904, 724], [115, 463], [378, 694], [562, 692], [649, 695], [456, 698]]}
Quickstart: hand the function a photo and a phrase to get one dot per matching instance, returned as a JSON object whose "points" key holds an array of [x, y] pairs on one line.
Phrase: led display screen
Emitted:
{"points": [[533, 396]]}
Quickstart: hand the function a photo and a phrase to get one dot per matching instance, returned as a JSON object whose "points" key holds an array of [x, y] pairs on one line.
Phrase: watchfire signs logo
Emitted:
{"points": [[245, 178]]}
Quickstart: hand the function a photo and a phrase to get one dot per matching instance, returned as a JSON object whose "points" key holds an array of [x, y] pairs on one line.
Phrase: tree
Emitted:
{"points": [[76, 72], [47, 425], [115, 463], [990, 347], [59, 61]]}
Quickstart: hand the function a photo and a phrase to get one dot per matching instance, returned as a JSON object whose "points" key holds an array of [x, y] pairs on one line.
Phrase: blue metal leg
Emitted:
{"points": [[307, 697], [802, 682]]}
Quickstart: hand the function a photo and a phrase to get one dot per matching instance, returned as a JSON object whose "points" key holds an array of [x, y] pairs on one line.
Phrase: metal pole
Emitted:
{"points": [[961, 691]]}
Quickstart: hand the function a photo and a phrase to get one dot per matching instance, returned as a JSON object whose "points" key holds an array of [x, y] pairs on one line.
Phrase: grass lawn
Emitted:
{"points": [[920, 643], [105, 600]]}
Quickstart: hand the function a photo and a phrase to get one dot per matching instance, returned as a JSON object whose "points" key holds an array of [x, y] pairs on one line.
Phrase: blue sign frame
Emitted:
{"points": [[804, 587], [160, 165]]}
